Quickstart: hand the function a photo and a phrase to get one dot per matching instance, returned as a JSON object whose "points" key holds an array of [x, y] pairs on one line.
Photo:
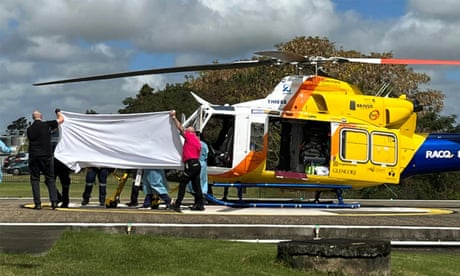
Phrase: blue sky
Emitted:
{"points": [[45, 40], [373, 9]]}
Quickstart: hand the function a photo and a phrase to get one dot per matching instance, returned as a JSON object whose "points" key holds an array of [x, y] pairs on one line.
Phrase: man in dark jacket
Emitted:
{"points": [[40, 156]]}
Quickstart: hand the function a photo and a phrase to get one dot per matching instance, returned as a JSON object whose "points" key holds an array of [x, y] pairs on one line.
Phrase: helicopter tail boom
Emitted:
{"points": [[440, 152]]}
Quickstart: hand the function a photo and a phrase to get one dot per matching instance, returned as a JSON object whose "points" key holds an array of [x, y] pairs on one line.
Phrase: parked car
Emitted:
{"points": [[19, 167], [10, 160]]}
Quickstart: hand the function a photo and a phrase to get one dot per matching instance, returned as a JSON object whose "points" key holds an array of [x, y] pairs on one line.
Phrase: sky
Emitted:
{"points": [[44, 40]]}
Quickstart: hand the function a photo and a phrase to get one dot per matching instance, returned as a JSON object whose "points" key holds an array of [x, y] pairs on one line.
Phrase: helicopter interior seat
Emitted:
{"points": [[313, 151], [222, 157]]}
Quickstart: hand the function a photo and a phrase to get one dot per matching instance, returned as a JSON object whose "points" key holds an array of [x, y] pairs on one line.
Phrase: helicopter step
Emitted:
{"points": [[240, 203]]}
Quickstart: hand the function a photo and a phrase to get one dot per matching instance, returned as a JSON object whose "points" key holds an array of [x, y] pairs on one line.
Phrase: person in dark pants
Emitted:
{"points": [[91, 174], [134, 190], [62, 172], [41, 155], [192, 168]]}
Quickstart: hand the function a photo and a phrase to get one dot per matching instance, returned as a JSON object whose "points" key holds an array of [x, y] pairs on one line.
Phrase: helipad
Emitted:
{"points": [[231, 211]]}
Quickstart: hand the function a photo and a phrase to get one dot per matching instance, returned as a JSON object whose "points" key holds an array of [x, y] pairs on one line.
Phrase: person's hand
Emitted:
{"points": [[57, 110], [173, 113]]}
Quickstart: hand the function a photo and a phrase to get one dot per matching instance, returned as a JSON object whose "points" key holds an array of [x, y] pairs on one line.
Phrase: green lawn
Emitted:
{"points": [[19, 186], [98, 253]]}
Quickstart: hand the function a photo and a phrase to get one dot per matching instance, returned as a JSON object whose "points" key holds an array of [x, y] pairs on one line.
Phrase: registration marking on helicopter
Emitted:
{"points": [[230, 211]]}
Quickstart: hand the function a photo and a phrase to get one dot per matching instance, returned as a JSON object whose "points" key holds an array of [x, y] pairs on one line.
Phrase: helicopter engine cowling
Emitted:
{"points": [[397, 111]]}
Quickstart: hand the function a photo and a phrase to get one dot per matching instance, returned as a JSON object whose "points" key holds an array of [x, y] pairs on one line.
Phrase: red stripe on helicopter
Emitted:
{"points": [[419, 61], [404, 61]]}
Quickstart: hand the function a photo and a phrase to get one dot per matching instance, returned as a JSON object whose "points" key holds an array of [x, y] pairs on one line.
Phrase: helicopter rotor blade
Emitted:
{"points": [[287, 57], [397, 61], [216, 66], [276, 58]]}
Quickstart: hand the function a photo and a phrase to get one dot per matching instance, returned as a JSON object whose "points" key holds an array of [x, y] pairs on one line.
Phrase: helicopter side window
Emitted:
{"points": [[354, 146], [257, 137], [384, 148]]}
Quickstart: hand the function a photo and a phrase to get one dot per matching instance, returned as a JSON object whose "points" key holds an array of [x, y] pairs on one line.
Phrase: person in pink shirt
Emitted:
{"points": [[192, 168]]}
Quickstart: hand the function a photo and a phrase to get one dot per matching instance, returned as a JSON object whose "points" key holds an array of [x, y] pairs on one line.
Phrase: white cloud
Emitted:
{"points": [[45, 40], [445, 10]]}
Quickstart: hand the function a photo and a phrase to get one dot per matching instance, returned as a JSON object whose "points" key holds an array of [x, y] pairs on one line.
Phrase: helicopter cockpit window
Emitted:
{"points": [[257, 137], [354, 146]]}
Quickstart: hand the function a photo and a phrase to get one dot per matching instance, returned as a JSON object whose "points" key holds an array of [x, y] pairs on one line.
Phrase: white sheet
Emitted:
{"points": [[124, 141]]}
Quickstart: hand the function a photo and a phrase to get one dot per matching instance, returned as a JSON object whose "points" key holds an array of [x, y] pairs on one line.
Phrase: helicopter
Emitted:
{"points": [[312, 132]]}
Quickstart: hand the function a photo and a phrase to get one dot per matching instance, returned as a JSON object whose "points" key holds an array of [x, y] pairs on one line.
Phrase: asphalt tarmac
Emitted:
{"points": [[372, 212], [23, 229]]}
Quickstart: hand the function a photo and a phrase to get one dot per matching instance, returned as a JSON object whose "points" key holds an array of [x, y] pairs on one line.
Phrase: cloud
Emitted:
{"points": [[46, 40]]}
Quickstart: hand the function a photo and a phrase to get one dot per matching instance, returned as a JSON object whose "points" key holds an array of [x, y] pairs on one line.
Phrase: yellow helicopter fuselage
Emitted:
{"points": [[365, 140]]}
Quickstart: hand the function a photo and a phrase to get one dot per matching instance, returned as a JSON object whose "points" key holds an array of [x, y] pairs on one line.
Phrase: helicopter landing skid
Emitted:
{"points": [[240, 203]]}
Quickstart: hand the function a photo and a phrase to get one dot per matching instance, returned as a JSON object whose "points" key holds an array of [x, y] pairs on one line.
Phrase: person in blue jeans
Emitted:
{"points": [[91, 174]]}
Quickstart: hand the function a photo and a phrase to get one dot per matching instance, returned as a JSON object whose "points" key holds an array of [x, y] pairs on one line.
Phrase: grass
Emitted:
{"points": [[96, 253], [19, 186]]}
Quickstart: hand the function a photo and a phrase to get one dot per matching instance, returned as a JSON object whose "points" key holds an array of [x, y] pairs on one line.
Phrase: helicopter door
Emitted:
{"points": [[364, 154], [219, 135]]}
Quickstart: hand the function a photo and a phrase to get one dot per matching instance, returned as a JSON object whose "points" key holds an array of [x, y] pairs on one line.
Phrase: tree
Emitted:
{"points": [[176, 96], [235, 86], [433, 122], [18, 127]]}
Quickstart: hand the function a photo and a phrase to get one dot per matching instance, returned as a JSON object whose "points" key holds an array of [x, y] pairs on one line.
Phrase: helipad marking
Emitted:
{"points": [[229, 211]]}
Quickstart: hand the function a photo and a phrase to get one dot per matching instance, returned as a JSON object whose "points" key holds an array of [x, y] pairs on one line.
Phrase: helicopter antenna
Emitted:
{"points": [[382, 89], [385, 90], [390, 89]]}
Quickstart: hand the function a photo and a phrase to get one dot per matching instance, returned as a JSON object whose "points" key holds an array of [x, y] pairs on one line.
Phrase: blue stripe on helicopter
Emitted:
{"points": [[439, 153]]}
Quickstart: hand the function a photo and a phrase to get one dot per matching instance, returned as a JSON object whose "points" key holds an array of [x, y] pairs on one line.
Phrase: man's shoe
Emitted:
{"points": [[37, 207], [132, 204], [175, 207], [59, 198], [64, 205], [197, 208], [168, 206], [144, 207], [54, 205], [84, 202]]}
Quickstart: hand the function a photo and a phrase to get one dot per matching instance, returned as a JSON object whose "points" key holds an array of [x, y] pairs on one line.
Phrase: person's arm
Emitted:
{"points": [[59, 116], [176, 121], [4, 148]]}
